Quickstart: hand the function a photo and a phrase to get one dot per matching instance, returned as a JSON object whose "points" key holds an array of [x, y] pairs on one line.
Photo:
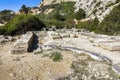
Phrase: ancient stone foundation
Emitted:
{"points": [[24, 44]]}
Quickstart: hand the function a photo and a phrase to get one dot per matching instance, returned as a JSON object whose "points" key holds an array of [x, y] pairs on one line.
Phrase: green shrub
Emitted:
{"points": [[2, 30], [24, 9], [41, 16], [111, 24], [56, 56], [69, 24], [80, 14], [64, 10], [91, 25], [62, 16], [53, 22], [98, 4], [58, 16], [22, 23], [117, 1]]}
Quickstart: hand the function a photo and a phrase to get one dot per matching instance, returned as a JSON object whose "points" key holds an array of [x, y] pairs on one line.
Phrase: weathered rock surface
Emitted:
{"points": [[49, 2], [96, 8]]}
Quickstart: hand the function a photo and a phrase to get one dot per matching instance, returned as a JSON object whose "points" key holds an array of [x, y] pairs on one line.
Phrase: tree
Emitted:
{"points": [[24, 9], [80, 14], [57, 16], [22, 23]]}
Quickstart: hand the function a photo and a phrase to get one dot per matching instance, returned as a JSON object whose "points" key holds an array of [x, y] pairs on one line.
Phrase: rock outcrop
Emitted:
{"points": [[96, 8], [49, 2]]}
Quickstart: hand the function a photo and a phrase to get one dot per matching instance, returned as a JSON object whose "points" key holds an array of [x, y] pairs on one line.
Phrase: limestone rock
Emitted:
{"points": [[96, 8], [49, 2]]}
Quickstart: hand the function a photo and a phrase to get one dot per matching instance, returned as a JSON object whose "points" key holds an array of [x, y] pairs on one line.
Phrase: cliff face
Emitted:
{"points": [[96, 8], [49, 2]]}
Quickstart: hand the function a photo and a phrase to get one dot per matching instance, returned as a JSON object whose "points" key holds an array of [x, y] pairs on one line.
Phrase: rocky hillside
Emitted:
{"points": [[49, 2], [96, 8]]}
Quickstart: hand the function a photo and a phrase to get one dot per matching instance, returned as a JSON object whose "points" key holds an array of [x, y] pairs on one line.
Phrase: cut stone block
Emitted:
{"points": [[24, 44], [97, 42], [73, 35], [113, 46], [65, 35]]}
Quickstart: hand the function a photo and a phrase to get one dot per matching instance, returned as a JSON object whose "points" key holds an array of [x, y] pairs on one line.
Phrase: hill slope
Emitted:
{"points": [[50, 2], [96, 8]]}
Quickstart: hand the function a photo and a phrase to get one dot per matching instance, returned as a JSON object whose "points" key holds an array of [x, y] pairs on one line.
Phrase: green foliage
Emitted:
{"points": [[117, 1], [62, 15], [2, 30], [80, 14], [22, 23], [94, 11], [89, 25], [58, 16], [6, 15], [41, 16], [82, 25], [24, 9], [110, 4], [111, 24], [54, 22], [56, 56], [98, 4], [65, 10], [69, 23]]}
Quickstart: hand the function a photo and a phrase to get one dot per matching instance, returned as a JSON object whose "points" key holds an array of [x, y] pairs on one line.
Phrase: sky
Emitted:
{"points": [[15, 5]]}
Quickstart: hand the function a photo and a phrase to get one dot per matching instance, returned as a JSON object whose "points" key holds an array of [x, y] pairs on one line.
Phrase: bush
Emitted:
{"points": [[53, 22], [57, 16], [2, 30], [64, 10], [56, 56], [41, 16], [24, 9], [22, 23], [117, 1], [89, 25], [69, 23], [80, 14], [111, 24]]}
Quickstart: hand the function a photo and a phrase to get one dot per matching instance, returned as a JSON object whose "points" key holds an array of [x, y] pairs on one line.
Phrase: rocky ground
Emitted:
{"points": [[86, 68], [41, 66]]}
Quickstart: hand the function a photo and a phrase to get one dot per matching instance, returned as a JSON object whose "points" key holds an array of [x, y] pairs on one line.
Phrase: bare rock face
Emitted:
{"points": [[49, 2], [96, 8]]}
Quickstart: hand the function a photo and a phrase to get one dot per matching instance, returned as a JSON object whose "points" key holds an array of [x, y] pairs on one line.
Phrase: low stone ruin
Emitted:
{"points": [[54, 35], [24, 44], [113, 46], [97, 42]]}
